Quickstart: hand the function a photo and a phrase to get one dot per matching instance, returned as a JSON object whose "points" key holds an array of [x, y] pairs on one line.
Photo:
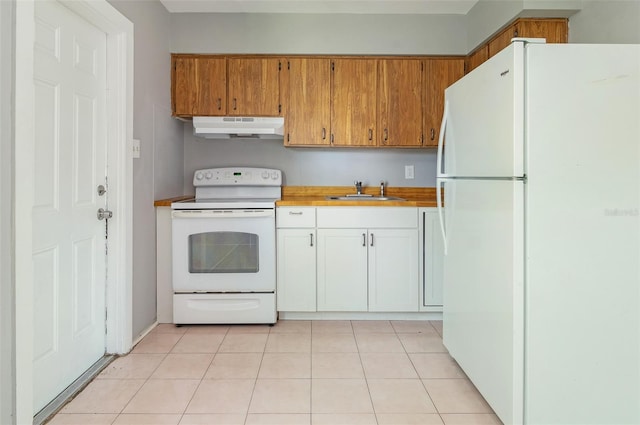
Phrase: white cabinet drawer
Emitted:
{"points": [[295, 217], [367, 217]]}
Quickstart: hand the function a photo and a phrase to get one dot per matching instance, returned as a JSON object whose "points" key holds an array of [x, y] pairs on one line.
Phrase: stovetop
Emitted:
{"points": [[224, 203]]}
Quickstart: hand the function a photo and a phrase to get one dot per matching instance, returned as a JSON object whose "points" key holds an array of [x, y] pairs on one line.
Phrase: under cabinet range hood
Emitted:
{"points": [[245, 127]]}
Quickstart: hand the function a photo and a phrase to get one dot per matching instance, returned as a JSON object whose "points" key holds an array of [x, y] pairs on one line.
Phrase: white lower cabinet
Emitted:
{"points": [[348, 259], [296, 267], [431, 260], [296, 270], [371, 268], [393, 270], [342, 270]]}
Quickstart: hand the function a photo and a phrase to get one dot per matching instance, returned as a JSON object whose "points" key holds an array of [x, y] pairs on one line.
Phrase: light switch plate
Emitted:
{"points": [[408, 172], [136, 148]]}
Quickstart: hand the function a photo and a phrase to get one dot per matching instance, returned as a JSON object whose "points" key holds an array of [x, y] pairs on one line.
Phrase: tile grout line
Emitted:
{"points": [[148, 377], [184, 412], [366, 379]]}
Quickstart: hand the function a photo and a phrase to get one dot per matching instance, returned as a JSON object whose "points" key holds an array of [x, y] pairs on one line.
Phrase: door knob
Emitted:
{"points": [[104, 214]]}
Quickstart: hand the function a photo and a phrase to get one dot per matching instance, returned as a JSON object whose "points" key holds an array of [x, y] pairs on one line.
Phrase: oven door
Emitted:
{"points": [[224, 250]]}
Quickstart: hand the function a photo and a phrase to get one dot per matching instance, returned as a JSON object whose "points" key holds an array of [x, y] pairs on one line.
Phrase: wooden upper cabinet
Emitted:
{"points": [[353, 102], [554, 30], [476, 58], [305, 87], [439, 74], [400, 102], [254, 87], [199, 86]]}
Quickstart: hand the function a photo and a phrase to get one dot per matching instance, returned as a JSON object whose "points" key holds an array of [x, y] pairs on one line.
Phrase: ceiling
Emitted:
{"points": [[385, 7]]}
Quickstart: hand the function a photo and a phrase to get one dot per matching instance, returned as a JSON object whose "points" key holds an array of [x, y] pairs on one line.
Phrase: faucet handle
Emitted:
{"points": [[358, 187]]}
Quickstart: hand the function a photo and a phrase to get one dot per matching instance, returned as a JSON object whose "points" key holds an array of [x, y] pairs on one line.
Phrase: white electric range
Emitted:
{"points": [[224, 247]]}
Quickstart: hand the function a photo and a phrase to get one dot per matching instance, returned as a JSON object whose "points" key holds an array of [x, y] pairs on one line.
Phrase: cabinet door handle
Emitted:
{"points": [[371, 240], [310, 239], [364, 239], [219, 103], [370, 134], [433, 134], [386, 134], [324, 133], [235, 104]]}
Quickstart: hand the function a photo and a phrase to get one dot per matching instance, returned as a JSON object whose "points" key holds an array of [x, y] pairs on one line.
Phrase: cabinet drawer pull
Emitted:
{"points": [[219, 103], [324, 133], [295, 212], [370, 134], [310, 239], [235, 104], [433, 134], [371, 240], [386, 134], [364, 239]]}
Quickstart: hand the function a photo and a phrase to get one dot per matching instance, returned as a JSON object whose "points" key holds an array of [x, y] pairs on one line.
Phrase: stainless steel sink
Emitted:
{"points": [[363, 198]]}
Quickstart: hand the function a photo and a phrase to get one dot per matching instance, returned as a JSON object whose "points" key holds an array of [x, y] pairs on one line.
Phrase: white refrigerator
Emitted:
{"points": [[540, 167]]}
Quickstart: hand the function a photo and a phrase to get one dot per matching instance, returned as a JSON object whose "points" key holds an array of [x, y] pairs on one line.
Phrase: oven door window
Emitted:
{"points": [[223, 252]]}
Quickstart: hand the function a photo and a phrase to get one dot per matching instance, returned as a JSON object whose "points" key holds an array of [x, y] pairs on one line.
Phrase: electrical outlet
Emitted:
{"points": [[136, 148], [408, 172]]}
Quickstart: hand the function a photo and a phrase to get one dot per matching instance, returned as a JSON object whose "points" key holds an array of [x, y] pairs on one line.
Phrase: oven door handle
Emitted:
{"points": [[189, 214]]}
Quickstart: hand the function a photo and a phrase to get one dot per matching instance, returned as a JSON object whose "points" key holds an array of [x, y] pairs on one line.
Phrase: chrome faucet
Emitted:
{"points": [[382, 188], [358, 187]]}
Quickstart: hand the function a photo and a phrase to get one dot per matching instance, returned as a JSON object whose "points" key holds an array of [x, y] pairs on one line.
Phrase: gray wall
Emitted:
{"points": [[310, 166], [606, 22], [158, 172], [318, 34], [7, 323]]}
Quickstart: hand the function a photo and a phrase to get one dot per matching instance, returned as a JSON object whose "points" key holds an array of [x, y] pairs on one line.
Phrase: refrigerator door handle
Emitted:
{"points": [[439, 184], [443, 128]]}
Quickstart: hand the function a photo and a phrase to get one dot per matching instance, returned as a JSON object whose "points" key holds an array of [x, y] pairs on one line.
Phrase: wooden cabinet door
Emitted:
{"points": [[553, 30], [199, 86], [502, 40], [439, 74], [353, 102], [476, 59], [306, 95], [254, 87], [400, 102]]}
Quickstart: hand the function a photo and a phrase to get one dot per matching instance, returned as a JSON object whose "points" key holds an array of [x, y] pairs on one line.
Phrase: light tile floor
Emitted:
{"points": [[296, 372]]}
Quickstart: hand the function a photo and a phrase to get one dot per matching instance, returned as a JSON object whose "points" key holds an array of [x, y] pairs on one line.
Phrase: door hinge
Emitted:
{"points": [[279, 66], [333, 66]]}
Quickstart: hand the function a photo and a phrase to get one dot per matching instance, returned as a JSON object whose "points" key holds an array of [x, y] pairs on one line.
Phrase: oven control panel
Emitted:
{"points": [[237, 176]]}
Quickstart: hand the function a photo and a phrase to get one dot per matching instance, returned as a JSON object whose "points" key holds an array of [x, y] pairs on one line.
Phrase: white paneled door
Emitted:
{"points": [[69, 255]]}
